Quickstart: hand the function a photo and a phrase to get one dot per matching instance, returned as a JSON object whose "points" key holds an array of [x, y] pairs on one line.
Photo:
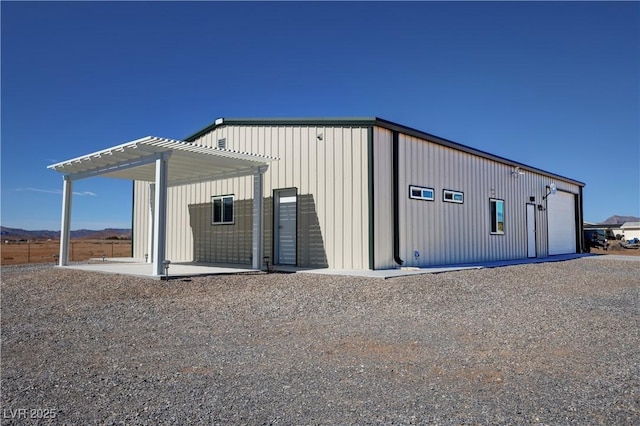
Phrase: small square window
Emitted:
{"points": [[497, 216], [453, 196], [222, 210], [420, 193]]}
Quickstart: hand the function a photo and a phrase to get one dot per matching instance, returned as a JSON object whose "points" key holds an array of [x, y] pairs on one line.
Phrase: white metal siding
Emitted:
{"points": [[382, 199], [630, 233], [329, 174], [140, 219]]}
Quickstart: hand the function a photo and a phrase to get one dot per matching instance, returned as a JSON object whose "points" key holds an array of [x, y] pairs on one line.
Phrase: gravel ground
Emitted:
{"points": [[554, 343]]}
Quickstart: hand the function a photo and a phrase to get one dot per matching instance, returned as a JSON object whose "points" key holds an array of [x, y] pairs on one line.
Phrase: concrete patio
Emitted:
{"points": [[139, 268]]}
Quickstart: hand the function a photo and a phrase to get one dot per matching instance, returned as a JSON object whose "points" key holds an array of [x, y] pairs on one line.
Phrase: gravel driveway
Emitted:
{"points": [[554, 343]]}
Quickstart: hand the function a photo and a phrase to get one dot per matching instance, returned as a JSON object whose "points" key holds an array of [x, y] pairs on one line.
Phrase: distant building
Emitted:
{"points": [[630, 230], [610, 230], [343, 193]]}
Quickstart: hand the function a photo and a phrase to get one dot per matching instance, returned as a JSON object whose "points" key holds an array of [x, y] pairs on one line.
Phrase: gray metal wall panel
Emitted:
{"points": [[447, 233]]}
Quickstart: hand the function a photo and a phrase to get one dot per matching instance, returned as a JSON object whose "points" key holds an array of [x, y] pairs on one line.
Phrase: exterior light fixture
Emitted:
{"points": [[551, 189], [517, 172], [146, 257], [320, 136]]}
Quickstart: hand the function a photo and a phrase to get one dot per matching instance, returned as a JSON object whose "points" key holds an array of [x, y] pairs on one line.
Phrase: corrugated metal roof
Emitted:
{"points": [[188, 162]]}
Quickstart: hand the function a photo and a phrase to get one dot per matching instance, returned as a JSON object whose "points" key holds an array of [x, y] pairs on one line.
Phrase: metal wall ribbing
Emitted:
{"points": [[329, 167], [330, 174], [446, 233], [382, 199], [140, 219]]}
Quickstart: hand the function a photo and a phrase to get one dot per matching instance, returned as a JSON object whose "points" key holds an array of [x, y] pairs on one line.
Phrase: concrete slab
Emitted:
{"points": [[142, 269], [137, 267], [401, 272]]}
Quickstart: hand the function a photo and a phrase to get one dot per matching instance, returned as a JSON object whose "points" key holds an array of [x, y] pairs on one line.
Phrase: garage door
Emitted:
{"points": [[562, 223]]}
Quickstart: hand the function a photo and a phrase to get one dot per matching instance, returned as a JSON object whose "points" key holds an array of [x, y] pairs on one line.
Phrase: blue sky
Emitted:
{"points": [[552, 85]]}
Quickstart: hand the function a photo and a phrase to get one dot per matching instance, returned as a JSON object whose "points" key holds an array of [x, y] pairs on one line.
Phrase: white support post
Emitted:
{"points": [[160, 215], [65, 226], [258, 211], [152, 194]]}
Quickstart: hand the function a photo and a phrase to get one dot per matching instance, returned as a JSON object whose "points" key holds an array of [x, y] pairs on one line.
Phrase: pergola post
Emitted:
{"points": [[258, 210], [160, 214], [65, 226]]}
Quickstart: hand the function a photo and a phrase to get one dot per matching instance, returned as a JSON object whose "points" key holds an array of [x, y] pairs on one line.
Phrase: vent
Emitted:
{"points": [[222, 143]]}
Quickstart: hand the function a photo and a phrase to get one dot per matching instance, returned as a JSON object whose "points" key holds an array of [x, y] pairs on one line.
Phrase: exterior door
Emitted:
{"points": [[531, 230], [285, 229], [561, 215]]}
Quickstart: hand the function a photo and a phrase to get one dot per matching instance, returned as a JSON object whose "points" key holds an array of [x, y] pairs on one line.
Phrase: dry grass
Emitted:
{"points": [[617, 249], [44, 251]]}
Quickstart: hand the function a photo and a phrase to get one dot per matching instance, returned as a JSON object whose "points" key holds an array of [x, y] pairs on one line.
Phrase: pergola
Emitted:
{"points": [[163, 163]]}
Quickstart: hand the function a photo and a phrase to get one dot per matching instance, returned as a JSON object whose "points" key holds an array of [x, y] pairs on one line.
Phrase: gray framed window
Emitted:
{"points": [[421, 193], [222, 210], [452, 196], [497, 216]]}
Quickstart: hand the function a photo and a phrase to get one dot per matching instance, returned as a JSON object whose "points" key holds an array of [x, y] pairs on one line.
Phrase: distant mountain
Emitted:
{"points": [[80, 234], [615, 220]]}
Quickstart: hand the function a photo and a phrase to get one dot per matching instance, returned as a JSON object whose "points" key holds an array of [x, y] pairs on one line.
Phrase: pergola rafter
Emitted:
{"points": [[163, 162]]}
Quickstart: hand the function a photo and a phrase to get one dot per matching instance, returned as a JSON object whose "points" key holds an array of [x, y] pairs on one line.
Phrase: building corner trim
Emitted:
{"points": [[370, 178]]}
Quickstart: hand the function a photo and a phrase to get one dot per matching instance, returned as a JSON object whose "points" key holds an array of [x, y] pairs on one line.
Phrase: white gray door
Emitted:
{"points": [[285, 243], [562, 223], [531, 230]]}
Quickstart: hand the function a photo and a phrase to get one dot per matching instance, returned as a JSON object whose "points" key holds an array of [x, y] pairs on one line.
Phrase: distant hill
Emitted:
{"points": [[614, 220], [80, 234]]}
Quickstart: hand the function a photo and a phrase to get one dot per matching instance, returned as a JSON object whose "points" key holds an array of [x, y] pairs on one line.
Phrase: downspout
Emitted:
{"points": [[395, 194], [370, 176], [580, 222]]}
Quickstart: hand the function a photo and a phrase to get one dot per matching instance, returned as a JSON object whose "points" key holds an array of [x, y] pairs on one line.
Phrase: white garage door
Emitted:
{"points": [[562, 223]]}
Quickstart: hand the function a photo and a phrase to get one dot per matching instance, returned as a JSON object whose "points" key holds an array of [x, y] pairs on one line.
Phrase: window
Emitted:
{"points": [[453, 196], [497, 216], [222, 143], [420, 193], [222, 207]]}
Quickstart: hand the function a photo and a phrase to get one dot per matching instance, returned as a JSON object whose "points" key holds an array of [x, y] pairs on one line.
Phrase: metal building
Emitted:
{"points": [[342, 193], [366, 193]]}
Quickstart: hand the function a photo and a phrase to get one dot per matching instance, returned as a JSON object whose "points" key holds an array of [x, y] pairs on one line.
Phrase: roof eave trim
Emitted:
{"points": [[285, 121]]}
